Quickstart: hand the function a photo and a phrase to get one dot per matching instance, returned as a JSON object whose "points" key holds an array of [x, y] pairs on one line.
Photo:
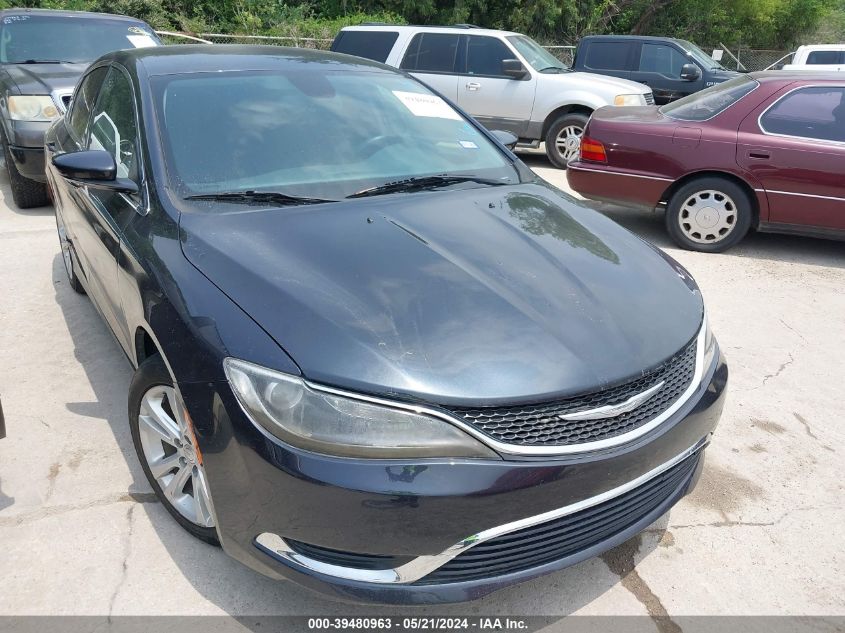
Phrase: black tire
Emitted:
{"points": [[715, 228], [573, 119], [67, 256], [26, 193], [151, 373]]}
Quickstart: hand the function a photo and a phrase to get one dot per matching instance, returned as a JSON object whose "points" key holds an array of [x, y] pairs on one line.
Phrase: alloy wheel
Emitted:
{"points": [[171, 455], [707, 216], [568, 142]]}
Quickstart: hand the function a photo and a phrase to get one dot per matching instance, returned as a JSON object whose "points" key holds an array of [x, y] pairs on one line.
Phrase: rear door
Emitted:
{"points": [[606, 57], [794, 144], [433, 58], [659, 67], [496, 100]]}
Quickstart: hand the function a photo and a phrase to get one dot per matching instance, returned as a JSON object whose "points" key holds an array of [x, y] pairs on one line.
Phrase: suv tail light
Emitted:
{"points": [[593, 150]]}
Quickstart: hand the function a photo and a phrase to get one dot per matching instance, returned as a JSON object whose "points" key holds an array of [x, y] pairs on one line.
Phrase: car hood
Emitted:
{"points": [[718, 76], [475, 296], [45, 79], [605, 84]]}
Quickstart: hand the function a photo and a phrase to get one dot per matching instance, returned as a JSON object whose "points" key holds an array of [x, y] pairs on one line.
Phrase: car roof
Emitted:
{"points": [[650, 38], [191, 58], [400, 28], [69, 14], [822, 47]]}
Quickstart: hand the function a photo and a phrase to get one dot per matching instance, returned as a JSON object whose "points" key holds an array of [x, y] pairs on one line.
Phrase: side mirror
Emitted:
{"points": [[505, 138], [93, 168], [513, 68], [690, 72]]}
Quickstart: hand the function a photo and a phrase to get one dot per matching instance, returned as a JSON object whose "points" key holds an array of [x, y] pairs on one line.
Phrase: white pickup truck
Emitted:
{"points": [[505, 80], [818, 57]]}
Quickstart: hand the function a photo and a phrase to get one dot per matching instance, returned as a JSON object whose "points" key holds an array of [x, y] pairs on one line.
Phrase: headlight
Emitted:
{"points": [[324, 422], [710, 346], [32, 108], [629, 100]]}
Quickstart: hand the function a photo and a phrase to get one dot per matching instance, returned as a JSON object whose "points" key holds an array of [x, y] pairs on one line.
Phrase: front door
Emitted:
{"points": [[497, 101], [659, 68], [794, 144]]}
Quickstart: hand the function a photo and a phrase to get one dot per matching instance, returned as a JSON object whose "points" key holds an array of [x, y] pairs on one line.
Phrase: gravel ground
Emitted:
{"points": [[81, 533]]}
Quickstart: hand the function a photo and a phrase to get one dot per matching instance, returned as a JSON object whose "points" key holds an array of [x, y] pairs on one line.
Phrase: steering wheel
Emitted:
{"points": [[373, 145]]}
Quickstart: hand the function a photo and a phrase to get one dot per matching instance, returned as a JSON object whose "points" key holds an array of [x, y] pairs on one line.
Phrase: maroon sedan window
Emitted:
{"points": [[709, 102], [816, 112]]}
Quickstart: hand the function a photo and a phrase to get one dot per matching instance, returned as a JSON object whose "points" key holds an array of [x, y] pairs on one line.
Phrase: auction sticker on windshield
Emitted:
{"points": [[426, 105]]}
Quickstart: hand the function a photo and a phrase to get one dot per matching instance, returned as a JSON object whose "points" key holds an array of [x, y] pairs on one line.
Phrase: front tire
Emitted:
{"points": [[563, 138], [166, 448], [26, 193]]}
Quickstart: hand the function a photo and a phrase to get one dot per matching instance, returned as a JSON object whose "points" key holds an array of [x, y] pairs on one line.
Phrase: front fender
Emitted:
{"points": [[192, 323]]}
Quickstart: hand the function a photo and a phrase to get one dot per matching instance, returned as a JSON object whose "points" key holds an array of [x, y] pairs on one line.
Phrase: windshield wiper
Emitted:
{"points": [[46, 61], [421, 183], [559, 69], [258, 197]]}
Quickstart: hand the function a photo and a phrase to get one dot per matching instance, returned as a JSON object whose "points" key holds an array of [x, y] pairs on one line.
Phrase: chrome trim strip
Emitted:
{"points": [[517, 449], [424, 565], [833, 84], [612, 410], [804, 195], [619, 173]]}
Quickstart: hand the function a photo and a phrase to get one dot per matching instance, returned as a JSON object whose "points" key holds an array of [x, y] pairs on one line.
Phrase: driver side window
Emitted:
{"points": [[113, 127], [83, 101]]}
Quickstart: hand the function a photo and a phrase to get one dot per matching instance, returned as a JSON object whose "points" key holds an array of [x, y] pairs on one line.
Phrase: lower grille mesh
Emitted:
{"points": [[547, 542]]}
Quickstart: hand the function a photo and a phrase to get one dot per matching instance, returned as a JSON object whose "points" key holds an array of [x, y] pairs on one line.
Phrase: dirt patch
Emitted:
{"points": [[768, 426], [757, 448], [722, 490], [667, 539]]}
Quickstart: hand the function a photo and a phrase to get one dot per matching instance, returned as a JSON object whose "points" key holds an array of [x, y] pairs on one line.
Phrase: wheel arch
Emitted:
{"points": [[577, 108], [715, 173], [146, 346]]}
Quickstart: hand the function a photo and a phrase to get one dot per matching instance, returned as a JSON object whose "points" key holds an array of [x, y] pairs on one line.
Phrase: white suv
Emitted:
{"points": [[506, 80]]}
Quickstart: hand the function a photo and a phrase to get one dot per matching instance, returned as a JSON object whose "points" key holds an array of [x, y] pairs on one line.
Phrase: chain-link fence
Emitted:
{"points": [[743, 59]]}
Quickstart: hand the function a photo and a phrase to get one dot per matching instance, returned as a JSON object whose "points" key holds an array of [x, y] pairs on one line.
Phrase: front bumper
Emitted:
{"points": [[26, 144], [422, 510]]}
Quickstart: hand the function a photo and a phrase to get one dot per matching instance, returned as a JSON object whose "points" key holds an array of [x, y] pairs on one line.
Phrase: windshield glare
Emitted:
{"points": [[537, 56], [314, 132], [700, 56], [34, 38], [707, 103]]}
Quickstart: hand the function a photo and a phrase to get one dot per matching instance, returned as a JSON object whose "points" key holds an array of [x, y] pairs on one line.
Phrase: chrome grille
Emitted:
{"points": [[541, 425]]}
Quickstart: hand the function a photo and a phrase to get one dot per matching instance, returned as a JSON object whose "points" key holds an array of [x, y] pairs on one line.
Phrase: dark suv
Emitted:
{"points": [[42, 55], [671, 68]]}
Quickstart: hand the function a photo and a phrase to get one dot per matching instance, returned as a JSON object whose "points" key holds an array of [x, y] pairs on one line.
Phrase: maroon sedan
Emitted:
{"points": [[765, 150]]}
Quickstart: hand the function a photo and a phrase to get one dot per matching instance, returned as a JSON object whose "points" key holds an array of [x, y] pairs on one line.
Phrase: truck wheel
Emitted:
{"points": [[563, 139], [709, 215], [25, 192]]}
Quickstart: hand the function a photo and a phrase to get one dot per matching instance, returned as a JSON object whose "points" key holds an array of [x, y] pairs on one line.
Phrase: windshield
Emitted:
{"points": [[313, 132], [37, 38], [700, 56], [537, 56], [703, 105]]}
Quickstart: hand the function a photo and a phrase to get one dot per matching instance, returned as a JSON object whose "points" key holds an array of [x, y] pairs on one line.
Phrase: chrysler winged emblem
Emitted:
{"points": [[612, 410]]}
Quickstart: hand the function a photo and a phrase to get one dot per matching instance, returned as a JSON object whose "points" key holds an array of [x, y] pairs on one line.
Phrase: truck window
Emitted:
{"points": [[375, 45], [485, 56], [607, 55], [431, 52], [661, 59], [826, 57]]}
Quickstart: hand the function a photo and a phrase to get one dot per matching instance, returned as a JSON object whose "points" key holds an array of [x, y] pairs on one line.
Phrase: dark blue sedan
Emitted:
{"points": [[373, 352]]}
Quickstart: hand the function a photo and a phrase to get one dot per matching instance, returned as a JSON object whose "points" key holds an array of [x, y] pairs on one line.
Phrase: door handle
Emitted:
{"points": [[759, 155], [473, 86]]}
